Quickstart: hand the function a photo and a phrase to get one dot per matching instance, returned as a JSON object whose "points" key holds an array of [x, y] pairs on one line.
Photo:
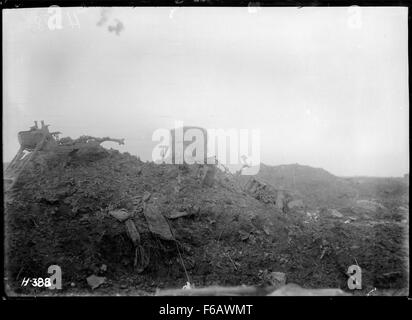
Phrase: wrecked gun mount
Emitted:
{"points": [[41, 139]]}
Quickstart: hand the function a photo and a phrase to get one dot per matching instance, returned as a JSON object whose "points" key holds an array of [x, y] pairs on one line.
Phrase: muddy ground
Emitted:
{"points": [[59, 213]]}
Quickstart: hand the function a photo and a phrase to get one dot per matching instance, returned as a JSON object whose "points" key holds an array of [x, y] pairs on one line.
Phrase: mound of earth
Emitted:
{"points": [[61, 213], [316, 186], [390, 192]]}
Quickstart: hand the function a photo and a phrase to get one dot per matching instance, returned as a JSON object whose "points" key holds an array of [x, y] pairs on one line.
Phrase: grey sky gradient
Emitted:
{"points": [[323, 92]]}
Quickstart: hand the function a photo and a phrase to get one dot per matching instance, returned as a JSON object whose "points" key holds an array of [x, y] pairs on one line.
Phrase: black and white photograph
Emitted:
{"points": [[205, 151]]}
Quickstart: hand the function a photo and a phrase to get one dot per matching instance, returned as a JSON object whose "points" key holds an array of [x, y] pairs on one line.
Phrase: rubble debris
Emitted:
{"points": [[146, 196], [252, 239], [403, 210], [266, 230], [273, 279], [252, 186], [295, 204], [369, 205], [94, 281], [156, 222], [195, 209], [367, 208], [132, 232], [179, 214], [260, 191], [335, 213], [283, 259], [121, 214], [235, 264], [314, 216], [280, 198], [277, 279], [187, 286], [244, 235], [325, 247], [75, 198]]}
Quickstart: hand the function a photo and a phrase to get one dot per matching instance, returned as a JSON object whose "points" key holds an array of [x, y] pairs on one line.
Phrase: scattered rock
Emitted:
{"points": [[94, 281], [187, 286], [273, 279], [244, 235], [284, 258], [178, 214], [156, 222], [266, 230], [260, 191], [368, 205], [295, 204], [146, 196], [312, 215], [132, 231], [277, 279], [252, 239], [139, 209], [335, 213], [196, 209], [121, 215], [403, 210]]}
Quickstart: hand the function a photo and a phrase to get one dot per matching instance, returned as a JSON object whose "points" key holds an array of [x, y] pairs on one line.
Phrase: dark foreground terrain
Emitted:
{"points": [[223, 232]]}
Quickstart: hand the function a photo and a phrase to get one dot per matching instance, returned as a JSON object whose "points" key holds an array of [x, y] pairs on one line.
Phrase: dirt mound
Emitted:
{"points": [[315, 186], [391, 192], [60, 213]]}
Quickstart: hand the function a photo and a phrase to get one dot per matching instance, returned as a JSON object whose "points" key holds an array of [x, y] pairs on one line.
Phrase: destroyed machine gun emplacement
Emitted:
{"points": [[41, 139]]}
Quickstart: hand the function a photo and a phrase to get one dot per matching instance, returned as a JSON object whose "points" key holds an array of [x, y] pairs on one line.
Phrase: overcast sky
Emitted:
{"points": [[327, 87]]}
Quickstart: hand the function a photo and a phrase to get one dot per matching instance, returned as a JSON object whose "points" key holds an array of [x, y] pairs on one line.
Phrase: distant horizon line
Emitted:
{"points": [[298, 164]]}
